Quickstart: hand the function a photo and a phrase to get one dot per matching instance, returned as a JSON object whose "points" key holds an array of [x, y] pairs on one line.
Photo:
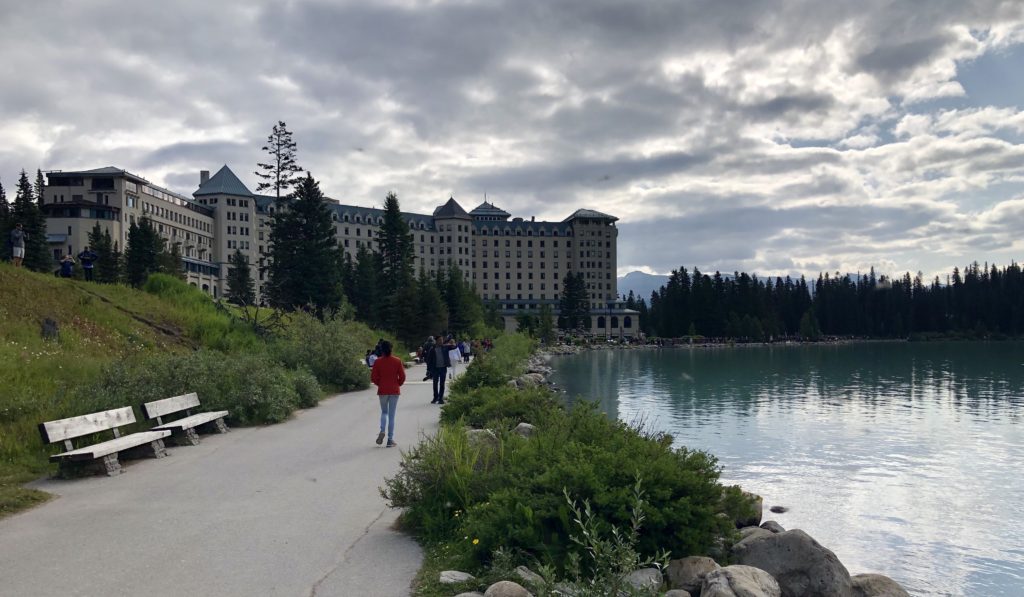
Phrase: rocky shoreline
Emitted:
{"points": [[766, 561]]}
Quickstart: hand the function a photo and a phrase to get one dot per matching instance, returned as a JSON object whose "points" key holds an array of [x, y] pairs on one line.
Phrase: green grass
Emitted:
{"points": [[98, 325]]}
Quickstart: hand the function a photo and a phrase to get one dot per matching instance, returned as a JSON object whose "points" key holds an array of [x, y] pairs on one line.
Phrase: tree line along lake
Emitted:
{"points": [[903, 458]]}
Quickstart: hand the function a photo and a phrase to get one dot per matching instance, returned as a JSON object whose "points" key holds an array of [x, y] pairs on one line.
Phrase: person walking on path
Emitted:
{"points": [[88, 259], [388, 374], [454, 357], [425, 351], [18, 238], [439, 361]]}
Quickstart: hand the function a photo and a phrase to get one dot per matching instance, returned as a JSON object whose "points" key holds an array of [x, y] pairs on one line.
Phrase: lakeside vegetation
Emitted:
{"points": [[981, 302], [118, 346], [482, 498]]}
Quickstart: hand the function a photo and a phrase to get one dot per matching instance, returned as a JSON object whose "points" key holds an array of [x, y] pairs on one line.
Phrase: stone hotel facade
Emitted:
{"points": [[514, 262]]}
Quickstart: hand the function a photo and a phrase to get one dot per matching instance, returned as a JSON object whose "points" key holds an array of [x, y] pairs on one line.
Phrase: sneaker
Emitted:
{"points": [[426, 378], [380, 438], [391, 444]]}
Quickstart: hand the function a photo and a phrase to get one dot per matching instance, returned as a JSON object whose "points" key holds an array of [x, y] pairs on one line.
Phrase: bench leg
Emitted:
{"points": [[188, 437], [219, 426], [154, 449]]}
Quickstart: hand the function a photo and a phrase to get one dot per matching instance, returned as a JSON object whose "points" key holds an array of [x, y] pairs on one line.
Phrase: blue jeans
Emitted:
{"points": [[439, 374], [388, 406]]}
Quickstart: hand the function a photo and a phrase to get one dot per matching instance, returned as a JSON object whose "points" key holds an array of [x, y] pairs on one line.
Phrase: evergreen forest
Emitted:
{"points": [[982, 301]]}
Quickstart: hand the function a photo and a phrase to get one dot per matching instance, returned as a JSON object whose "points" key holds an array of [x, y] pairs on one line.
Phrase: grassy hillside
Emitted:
{"points": [[118, 346]]}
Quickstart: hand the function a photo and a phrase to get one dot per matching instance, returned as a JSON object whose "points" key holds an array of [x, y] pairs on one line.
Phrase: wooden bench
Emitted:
{"points": [[102, 456], [184, 429]]}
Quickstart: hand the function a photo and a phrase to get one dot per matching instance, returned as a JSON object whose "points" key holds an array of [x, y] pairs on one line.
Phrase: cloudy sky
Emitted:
{"points": [[771, 136]]}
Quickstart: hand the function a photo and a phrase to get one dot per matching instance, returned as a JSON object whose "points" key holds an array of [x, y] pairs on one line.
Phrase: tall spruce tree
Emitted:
{"points": [[574, 305], [280, 172], [107, 258], [170, 260], [40, 187], [431, 313], [364, 294], [142, 255], [26, 212], [241, 288], [546, 325], [464, 306], [395, 244], [5, 225], [305, 260]]}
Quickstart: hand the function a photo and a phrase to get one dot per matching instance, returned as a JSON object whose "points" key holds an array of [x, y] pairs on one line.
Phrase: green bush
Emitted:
{"points": [[495, 368], [254, 388], [307, 388], [206, 323], [509, 493], [483, 407], [331, 350]]}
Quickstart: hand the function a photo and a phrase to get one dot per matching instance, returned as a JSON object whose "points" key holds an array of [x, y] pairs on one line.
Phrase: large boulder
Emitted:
{"points": [[749, 534], [876, 585], [645, 579], [799, 563], [739, 581], [506, 588], [757, 504], [482, 437], [450, 577], [688, 573]]}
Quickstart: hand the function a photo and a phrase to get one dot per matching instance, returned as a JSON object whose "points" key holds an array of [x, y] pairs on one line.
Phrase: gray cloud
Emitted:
{"points": [[683, 118]]}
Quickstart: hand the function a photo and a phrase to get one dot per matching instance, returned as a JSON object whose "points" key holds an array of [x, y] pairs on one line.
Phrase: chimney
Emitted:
{"points": [[533, 218], [204, 175]]}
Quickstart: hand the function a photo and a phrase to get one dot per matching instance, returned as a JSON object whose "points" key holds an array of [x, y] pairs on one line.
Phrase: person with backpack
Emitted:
{"points": [[388, 374]]}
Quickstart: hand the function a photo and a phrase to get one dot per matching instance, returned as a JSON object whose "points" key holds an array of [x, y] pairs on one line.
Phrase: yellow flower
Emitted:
{"points": [[475, 541]]}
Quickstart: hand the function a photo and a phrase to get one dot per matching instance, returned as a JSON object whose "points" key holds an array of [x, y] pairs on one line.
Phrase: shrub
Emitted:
{"points": [[482, 407], [307, 388], [328, 349], [205, 322], [254, 388], [495, 368]]}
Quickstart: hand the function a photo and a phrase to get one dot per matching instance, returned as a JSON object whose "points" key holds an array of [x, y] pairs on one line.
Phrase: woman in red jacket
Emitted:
{"points": [[388, 374]]}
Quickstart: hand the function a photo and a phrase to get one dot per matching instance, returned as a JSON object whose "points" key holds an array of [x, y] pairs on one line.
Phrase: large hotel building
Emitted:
{"points": [[514, 262]]}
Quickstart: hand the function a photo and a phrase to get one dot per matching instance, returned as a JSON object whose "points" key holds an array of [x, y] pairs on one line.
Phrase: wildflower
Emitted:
{"points": [[476, 541]]}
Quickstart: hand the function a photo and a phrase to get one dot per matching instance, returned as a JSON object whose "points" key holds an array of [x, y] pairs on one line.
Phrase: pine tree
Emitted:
{"points": [[170, 260], [305, 260], [142, 253], [27, 213], [40, 188], [364, 294], [395, 252], [574, 306], [281, 172], [464, 306], [5, 225], [241, 288], [546, 324], [431, 313], [107, 259]]}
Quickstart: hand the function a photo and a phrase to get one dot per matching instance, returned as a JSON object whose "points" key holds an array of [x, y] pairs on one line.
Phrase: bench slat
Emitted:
{"points": [[193, 421], [112, 446], [72, 427], [159, 408]]}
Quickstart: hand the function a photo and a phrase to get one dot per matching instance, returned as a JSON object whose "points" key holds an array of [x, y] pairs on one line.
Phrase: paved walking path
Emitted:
{"points": [[290, 509]]}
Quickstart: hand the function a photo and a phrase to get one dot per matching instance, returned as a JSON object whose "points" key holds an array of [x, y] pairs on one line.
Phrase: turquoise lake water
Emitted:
{"points": [[904, 459]]}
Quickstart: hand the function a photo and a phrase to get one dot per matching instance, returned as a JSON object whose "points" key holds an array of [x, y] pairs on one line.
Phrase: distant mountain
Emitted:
{"points": [[641, 284]]}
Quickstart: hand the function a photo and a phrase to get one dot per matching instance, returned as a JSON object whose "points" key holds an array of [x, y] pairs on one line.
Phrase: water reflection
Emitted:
{"points": [[901, 458]]}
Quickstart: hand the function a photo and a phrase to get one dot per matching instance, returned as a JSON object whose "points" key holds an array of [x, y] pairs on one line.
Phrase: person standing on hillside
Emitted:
{"points": [[439, 363], [88, 259], [388, 374], [18, 238], [67, 266]]}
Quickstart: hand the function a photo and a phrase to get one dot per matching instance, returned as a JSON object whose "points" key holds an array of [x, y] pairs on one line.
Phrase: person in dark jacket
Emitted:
{"points": [[88, 258], [439, 362], [425, 350]]}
